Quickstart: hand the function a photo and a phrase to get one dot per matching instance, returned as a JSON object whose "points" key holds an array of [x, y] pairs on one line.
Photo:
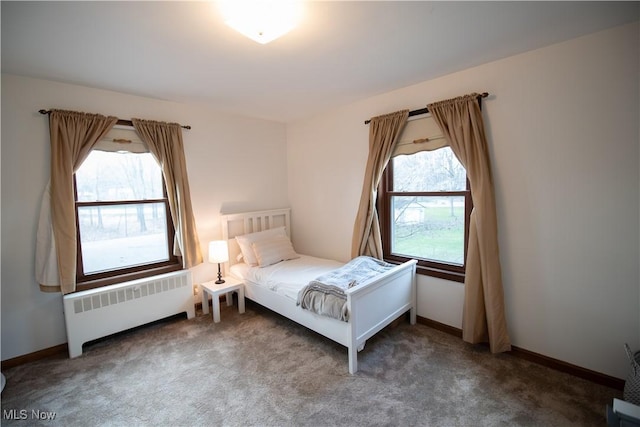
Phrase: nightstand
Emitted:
{"points": [[211, 288]]}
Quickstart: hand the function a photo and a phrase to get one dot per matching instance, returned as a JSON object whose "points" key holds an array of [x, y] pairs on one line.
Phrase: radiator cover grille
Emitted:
{"points": [[128, 293], [100, 312]]}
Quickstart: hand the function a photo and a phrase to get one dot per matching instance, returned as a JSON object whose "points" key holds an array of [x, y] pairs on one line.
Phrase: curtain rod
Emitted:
{"points": [[425, 110], [121, 122]]}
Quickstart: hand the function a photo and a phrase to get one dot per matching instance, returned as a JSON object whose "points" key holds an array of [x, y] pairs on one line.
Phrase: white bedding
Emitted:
{"points": [[286, 278]]}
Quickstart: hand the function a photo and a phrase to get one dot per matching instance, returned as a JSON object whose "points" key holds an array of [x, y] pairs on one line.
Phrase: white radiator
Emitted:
{"points": [[104, 311]]}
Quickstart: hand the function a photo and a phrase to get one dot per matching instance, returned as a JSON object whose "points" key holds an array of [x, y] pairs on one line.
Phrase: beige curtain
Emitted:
{"points": [[72, 136], [383, 135], [165, 143], [483, 316]]}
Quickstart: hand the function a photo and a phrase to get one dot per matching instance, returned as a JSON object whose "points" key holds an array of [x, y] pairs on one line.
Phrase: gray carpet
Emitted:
{"points": [[260, 369]]}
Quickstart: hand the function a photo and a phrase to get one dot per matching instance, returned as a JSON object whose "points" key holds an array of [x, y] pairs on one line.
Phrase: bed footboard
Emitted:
{"points": [[375, 304]]}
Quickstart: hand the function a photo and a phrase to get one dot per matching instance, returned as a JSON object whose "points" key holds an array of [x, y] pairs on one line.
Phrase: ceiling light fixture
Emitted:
{"points": [[261, 20]]}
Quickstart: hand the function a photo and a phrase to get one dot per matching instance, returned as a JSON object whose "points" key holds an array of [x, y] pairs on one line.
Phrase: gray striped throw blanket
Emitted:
{"points": [[325, 295]]}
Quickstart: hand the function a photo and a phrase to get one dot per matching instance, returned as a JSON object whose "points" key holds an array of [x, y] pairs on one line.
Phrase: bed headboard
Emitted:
{"points": [[249, 222]]}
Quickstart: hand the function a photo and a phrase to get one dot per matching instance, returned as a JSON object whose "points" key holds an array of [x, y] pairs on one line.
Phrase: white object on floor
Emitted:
{"points": [[230, 285], [103, 311], [623, 414], [626, 408]]}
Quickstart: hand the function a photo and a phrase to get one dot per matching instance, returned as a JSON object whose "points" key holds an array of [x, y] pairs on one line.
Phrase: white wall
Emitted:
{"points": [[224, 153], [563, 132]]}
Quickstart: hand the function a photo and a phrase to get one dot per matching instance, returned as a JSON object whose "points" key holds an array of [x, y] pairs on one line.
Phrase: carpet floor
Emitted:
{"points": [[260, 369]]}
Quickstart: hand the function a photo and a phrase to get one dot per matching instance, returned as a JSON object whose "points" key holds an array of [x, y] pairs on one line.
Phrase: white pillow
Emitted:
{"points": [[274, 250], [246, 240]]}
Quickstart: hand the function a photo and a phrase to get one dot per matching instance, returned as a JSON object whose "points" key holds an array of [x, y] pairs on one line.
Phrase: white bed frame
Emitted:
{"points": [[372, 305]]}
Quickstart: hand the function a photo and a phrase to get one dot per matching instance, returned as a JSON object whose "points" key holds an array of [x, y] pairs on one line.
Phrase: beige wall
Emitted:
{"points": [[563, 133], [225, 156]]}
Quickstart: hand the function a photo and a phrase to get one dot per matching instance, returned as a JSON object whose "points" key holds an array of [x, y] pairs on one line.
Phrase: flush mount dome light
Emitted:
{"points": [[261, 21]]}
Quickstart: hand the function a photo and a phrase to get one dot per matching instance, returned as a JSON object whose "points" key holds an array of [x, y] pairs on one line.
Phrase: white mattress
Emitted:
{"points": [[287, 277]]}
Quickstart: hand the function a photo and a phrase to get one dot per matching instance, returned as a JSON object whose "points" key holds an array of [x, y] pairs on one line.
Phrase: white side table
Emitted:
{"points": [[211, 288]]}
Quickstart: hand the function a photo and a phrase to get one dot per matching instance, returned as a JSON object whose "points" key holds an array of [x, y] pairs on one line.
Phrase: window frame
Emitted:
{"points": [[442, 270], [110, 277]]}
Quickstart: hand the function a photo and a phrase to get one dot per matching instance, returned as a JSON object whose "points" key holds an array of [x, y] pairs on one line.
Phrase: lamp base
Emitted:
{"points": [[219, 281]]}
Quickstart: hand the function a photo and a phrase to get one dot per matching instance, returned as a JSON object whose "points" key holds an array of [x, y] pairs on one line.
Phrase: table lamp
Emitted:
{"points": [[218, 253]]}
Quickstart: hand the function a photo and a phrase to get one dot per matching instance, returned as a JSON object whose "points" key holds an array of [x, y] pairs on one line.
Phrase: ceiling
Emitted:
{"points": [[340, 53]]}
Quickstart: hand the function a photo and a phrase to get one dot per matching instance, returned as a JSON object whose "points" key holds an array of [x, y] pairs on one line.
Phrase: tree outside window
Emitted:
{"points": [[123, 218], [425, 205]]}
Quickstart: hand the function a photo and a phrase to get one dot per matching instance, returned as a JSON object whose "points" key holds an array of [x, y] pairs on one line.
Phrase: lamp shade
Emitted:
{"points": [[218, 251]]}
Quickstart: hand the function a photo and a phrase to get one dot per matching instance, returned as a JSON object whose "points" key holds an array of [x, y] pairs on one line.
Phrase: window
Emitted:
{"points": [[425, 204], [123, 219]]}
